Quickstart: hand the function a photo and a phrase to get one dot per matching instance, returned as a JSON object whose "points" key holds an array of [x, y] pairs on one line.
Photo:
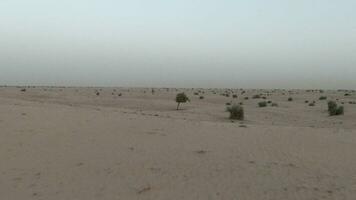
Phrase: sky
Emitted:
{"points": [[179, 43]]}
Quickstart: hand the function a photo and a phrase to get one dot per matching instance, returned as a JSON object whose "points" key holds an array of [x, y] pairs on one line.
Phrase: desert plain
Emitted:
{"points": [[87, 143]]}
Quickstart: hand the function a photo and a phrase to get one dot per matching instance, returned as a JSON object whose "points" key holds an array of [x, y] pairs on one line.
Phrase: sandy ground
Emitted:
{"points": [[69, 143]]}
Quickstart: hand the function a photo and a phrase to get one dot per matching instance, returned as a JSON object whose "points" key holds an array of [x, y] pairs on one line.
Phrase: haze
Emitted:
{"points": [[179, 43]]}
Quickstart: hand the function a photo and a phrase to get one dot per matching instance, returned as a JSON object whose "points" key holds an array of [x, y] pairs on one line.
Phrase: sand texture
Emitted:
{"points": [[72, 144]]}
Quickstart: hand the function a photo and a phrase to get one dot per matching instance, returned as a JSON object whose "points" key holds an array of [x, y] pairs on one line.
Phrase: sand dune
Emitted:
{"points": [[69, 143]]}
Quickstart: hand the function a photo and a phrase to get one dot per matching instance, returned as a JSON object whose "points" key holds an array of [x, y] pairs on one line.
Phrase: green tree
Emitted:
{"points": [[181, 98]]}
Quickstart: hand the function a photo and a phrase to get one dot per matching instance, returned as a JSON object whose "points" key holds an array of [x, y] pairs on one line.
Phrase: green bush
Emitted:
{"points": [[181, 98], [234, 96], [236, 112], [290, 99], [201, 97], [262, 104], [334, 109]]}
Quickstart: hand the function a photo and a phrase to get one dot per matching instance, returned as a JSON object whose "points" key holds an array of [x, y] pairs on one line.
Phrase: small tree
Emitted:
{"points": [[181, 98], [236, 112]]}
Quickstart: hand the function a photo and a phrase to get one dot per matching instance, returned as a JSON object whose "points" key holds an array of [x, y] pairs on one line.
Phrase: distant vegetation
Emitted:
{"points": [[181, 98], [334, 109], [323, 98], [236, 112], [262, 104]]}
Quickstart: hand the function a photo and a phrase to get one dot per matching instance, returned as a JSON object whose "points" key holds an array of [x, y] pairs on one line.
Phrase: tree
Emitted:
{"points": [[181, 98]]}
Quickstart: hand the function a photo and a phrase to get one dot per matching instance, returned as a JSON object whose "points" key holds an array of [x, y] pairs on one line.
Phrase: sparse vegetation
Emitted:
{"points": [[323, 98], [262, 104], [334, 109], [274, 105], [181, 98], [257, 96], [236, 112]]}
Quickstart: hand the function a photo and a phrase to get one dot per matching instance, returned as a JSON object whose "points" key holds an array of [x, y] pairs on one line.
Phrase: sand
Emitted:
{"points": [[69, 143]]}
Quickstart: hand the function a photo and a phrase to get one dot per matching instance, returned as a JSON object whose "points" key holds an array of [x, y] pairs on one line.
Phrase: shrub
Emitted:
{"points": [[228, 103], [181, 98], [246, 98], [236, 112], [274, 105], [201, 97], [262, 104], [269, 102], [256, 96], [322, 98], [334, 109], [23, 90], [312, 104], [306, 101], [234, 96], [290, 99]]}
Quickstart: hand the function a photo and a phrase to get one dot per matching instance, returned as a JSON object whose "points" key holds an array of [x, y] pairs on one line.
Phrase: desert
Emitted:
{"points": [[132, 143]]}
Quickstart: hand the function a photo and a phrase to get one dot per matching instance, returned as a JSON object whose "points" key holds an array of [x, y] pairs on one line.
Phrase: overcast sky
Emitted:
{"points": [[179, 43]]}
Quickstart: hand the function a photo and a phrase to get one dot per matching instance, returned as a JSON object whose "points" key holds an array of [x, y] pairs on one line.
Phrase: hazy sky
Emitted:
{"points": [[179, 43]]}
